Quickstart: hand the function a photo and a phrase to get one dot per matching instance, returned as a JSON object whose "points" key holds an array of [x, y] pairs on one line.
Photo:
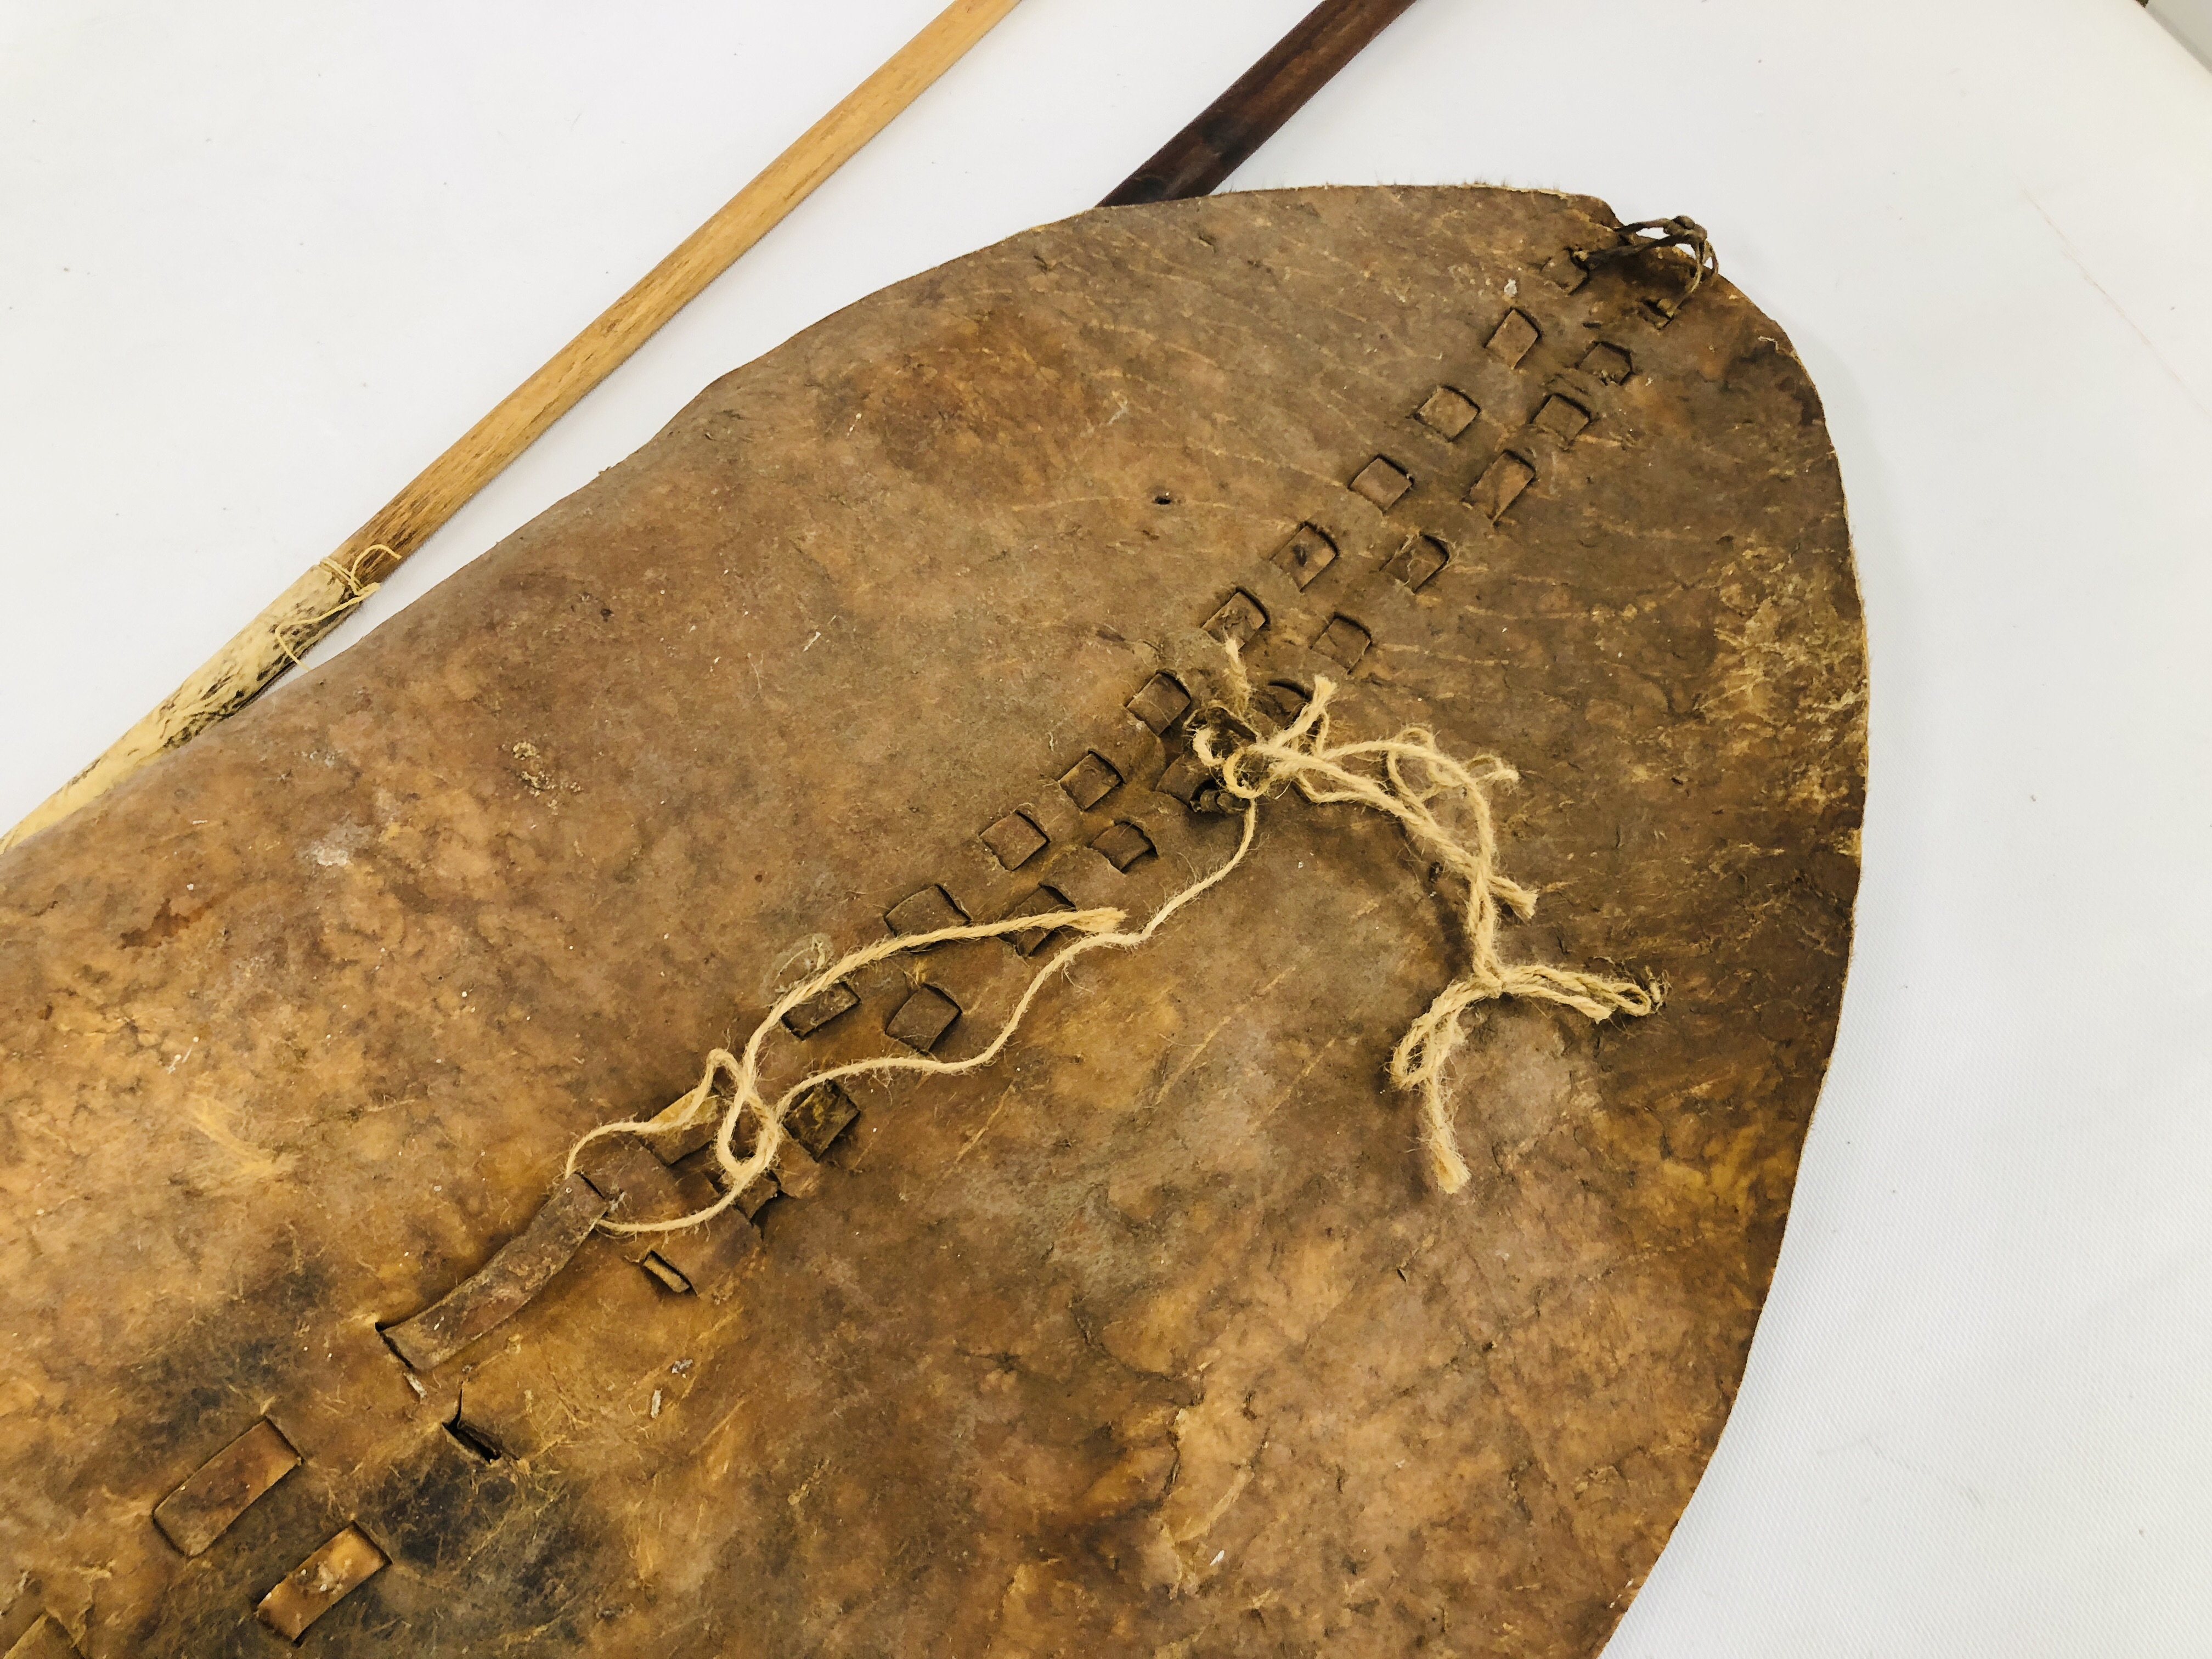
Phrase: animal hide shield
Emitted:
{"points": [[1153, 1336]]}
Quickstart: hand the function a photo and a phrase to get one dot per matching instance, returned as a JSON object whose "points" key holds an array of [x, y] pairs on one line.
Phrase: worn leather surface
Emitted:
{"points": [[1153, 1338]]}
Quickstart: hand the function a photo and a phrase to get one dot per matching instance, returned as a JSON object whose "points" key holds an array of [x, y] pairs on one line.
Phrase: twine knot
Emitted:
{"points": [[1403, 777]]}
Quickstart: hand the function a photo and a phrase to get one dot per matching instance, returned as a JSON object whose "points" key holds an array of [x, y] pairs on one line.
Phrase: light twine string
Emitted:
{"points": [[300, 635], [1399, 776], [1302, 757]]}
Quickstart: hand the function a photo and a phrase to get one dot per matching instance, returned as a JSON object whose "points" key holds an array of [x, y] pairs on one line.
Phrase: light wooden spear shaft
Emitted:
{"points": [[275, 640], [1190, 164]]}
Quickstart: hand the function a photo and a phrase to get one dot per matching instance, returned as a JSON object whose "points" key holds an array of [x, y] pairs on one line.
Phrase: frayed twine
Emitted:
{"points": [[1400, 776]]}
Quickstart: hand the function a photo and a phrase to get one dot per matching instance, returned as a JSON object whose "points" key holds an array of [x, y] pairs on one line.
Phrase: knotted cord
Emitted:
{"points": [[304, 634], [1645, 234], [1380, 775]]}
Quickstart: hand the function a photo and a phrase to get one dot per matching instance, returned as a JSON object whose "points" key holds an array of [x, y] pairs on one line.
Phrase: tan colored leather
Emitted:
{"points": [[1151, 1339]]}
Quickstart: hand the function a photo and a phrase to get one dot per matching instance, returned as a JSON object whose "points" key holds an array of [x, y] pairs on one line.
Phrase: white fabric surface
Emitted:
{"points": [[259, 262]]}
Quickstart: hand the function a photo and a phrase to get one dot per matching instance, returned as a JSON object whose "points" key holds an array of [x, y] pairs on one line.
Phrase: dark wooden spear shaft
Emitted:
{"points": [[1196, 159]]}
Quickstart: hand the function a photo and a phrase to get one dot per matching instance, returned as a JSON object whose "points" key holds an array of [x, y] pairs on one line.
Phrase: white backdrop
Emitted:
{"points": [[259, 262], [2190, 18]]}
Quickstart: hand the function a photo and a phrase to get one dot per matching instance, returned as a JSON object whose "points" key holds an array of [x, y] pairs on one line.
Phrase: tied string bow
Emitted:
{"points": [[1403, 777]]}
